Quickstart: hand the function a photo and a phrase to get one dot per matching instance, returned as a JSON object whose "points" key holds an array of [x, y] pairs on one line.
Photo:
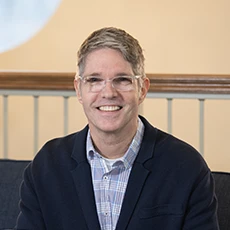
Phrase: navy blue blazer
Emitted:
{"points": [[170, 187]]}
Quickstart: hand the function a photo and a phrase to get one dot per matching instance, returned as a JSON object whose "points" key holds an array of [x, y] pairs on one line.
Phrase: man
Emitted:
{"points": [[119, 172]]}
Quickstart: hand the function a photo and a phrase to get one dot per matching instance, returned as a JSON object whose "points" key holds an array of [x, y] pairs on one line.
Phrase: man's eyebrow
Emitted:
{"points": [[119, 74], [123, 74], [93, 74]]}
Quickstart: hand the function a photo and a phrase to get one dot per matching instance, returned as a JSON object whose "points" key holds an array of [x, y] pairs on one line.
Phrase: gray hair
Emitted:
{"points": [[117, 39]]}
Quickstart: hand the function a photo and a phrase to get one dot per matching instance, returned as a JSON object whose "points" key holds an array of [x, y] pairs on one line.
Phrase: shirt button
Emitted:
{"points": [[106, 214]]}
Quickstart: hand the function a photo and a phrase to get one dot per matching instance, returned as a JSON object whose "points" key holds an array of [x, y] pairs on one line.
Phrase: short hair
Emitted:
{"points": [[114, 38]]}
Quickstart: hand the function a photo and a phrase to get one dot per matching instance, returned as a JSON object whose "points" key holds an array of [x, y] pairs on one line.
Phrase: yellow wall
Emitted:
{"points": [[178, 37]]}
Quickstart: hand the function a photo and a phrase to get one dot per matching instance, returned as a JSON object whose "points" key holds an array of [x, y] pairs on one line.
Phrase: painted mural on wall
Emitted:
{"points": [[20, 20]]}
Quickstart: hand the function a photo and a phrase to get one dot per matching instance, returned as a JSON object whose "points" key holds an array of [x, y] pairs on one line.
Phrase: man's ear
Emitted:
{"points": [[77, 89], [144, 90]]}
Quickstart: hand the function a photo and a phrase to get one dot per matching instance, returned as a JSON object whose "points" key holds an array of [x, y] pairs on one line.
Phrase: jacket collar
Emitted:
{"points": [[83, 179], [146, 149]]}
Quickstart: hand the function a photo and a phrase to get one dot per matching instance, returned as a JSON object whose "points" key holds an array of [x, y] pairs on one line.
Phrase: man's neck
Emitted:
{"points": [[113, 145]]}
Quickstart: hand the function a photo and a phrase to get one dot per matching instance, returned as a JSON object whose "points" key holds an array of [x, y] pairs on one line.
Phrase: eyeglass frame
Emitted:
{"points": [[104, 81]]}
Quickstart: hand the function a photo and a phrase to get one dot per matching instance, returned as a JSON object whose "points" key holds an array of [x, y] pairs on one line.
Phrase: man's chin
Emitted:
{"points": [[109, 128]]}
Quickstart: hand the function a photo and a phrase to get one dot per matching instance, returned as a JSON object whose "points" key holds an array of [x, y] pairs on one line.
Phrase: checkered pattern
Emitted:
{"points": [[110, 182]]}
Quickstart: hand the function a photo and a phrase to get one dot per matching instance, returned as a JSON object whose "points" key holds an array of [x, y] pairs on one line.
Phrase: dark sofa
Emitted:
{"points": [[11, 172]]}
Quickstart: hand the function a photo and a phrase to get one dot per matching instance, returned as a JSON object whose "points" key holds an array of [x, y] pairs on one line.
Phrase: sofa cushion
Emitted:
{"points": [[11, 172]]}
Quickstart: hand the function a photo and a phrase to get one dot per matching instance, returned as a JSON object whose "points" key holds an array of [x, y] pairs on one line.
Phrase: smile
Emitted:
{"points": [[109, 108]]}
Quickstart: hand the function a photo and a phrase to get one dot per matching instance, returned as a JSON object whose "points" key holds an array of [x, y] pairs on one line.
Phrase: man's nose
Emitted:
{"points": [[108, 89]]}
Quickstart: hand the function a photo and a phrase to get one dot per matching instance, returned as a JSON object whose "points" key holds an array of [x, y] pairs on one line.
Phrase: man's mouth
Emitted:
{"points": [[109, 108]]}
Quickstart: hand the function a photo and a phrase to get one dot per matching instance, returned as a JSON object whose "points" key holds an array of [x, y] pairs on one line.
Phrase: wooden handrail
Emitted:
{"points": [[37, 80], [162, 83], [190, 83]]}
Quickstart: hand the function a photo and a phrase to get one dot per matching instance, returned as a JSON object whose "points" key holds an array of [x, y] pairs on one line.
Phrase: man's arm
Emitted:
{"points": [[202, 209], [30, 216]]}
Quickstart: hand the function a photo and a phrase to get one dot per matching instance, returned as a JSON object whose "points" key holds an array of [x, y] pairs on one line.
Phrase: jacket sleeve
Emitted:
{"points": [[202, 211], [30, 216]]}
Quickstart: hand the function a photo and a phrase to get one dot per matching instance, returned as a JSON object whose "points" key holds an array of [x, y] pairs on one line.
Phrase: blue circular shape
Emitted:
{"points": [[20, 20]]}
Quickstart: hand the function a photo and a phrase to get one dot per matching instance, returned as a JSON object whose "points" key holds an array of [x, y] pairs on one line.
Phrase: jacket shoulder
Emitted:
{"points": [[171, 150], [59, 151]]}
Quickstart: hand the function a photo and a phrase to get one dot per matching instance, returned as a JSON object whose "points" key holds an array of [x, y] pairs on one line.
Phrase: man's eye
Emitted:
{"points": [[123, 80], [93, 80]]}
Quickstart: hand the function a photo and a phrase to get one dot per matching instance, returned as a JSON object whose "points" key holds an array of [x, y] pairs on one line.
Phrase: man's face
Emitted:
{"points": [[110, 110]]}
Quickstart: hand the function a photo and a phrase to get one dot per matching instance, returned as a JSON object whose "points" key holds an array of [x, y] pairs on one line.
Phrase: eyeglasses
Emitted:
{"points": [[121, 83]]}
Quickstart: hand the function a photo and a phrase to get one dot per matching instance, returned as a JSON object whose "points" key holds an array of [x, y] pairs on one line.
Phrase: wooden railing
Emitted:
{"points": [[171, 83], [60, 84]]}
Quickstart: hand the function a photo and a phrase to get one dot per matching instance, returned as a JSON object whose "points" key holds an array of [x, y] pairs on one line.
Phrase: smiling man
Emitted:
{"points": [[119, 172]]}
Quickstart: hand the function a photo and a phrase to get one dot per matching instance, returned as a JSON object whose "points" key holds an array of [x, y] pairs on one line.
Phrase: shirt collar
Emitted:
{"points": [[130, 154]]}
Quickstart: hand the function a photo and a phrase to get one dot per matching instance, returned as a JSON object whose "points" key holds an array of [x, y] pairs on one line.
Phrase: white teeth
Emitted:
{"points": [[109, 108]]}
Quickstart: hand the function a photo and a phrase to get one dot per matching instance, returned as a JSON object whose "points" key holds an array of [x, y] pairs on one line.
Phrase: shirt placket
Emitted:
{"points": [[106, 198], [107, 211]]}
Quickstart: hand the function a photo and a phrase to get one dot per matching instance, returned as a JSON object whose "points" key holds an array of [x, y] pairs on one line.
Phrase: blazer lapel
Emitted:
{"points": [[83, 182], [138, 176], [136, 182]]}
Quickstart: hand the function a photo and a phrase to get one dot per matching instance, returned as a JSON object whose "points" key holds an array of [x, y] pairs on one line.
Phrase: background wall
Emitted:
{"points": [[180, 36]]}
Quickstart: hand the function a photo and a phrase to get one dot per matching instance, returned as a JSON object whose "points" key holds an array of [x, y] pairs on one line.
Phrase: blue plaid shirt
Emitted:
{"points": [[110, 179]]}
